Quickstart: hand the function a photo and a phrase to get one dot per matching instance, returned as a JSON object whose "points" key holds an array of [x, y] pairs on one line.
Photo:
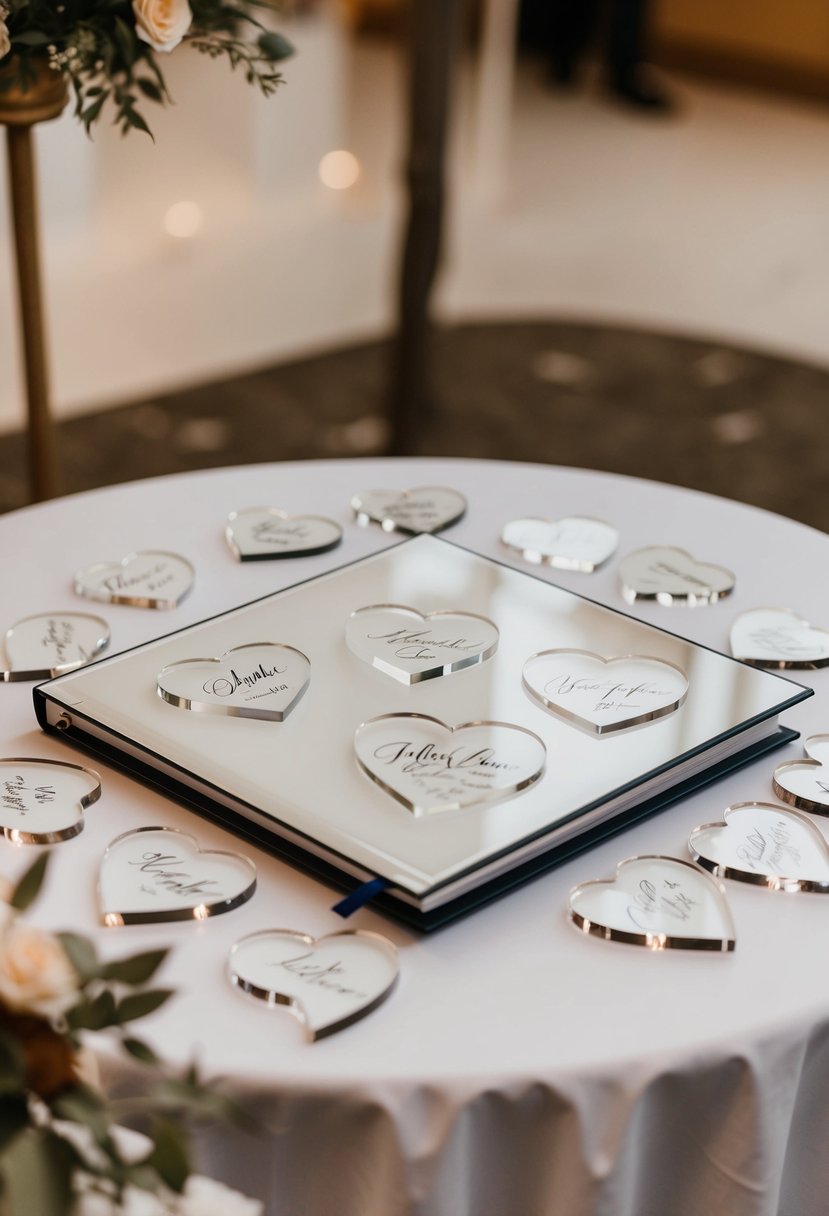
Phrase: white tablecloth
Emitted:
{"points": [[519, 1068]]}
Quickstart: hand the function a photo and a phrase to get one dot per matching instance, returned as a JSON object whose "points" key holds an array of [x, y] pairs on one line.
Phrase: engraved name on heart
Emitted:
{"points": [[411, 646], [573, 543], [160, 874], [43, 801], [805, 783], [604, 695], [148, 579], [46, 645], [265, 533], [775, 637], [424, 509], [328, 982], [262, 680], [760, 843], [431, 768], [671, 576], [661, 903]]}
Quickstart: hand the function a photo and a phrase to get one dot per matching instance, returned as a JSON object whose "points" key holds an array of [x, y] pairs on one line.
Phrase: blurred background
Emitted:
{"points": [[633, 263]]}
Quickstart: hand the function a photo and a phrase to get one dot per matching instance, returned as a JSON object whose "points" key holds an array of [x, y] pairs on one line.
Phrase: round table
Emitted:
{"points": [[519, 1067]]}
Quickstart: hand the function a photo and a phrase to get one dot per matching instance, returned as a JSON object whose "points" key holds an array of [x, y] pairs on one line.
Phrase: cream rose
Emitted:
{"points": [[5, 41], [204, 1197], [35, 975], [162, 23]]}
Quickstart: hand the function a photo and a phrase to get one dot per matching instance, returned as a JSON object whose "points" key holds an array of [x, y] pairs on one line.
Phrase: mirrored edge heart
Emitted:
{"points": [[773, 882], [17, 836], [275, 1000], [603, 729], [574, 564], [11, 675], [230, 536], [779, 664], [134, 601], [655, 941], [233, 711], [389, 524], [666, 598], [116, 920], [445, 669], [800, 801]]}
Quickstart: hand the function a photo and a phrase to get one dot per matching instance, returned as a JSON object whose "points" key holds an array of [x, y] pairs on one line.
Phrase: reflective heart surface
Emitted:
{"points": [[50, 643], [150, 579], [778, 638], [573, 543], [411, 646], [424, 509], [805, 783], [672, 576], [265, 533], [263, 680], [43, 801], [758, 842]]}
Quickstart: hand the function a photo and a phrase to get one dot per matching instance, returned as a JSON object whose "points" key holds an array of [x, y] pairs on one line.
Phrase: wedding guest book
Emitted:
{"points": [[425, 720]]}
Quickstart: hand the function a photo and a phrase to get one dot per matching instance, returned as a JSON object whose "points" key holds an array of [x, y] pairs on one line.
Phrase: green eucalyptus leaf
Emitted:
{"points": [[14, 1117], [81, 954], [83, 1105], [170, 1157], [36, 1172], [135, 970], [140, 1050], [95, 1014], [274, 47], [12, 1066], [139, 1004], [27, 889]]}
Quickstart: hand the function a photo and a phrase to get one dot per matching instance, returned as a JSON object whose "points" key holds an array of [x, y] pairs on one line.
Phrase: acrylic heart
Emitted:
{"points": [[805, 783], [148, 579], [265, 533], [43, 801], [328, 982], [431, 768], [424, 509], [46, 645], [160, 874], [411, 646], [658, 902], [671, 576], [263, 680], [573, 543], [775, 637], [604, 695], [760, 843]]}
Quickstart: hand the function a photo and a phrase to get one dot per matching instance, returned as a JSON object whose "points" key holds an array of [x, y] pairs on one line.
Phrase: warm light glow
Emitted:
{"points": [[201, 912], [113, 920], [183, 219], [339, 170]]}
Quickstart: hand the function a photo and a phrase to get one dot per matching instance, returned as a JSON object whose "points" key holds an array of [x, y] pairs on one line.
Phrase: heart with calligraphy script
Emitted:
{"points": [[671, 576], [604, 695], [775, 637], [411, 646], [43, 801], [573, 543], [805, 783], [424, 509], [160, 874], [265, 533], [761, 843], [148, 579], [328, 982], [259, 680], [52, 643], [658, 902], [432, 768]]}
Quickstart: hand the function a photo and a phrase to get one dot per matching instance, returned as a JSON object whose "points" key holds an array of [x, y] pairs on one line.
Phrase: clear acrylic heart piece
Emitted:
{"points": [[671, 576], [51, 643], [267, 533], [661, 903], [805, 783], [423, 509], [432, 768], [149, 579], [778, 638], [768, 845], [154, 874], [262, 680], [411, 646], [575, 542], [43, 801], [327, 982]]}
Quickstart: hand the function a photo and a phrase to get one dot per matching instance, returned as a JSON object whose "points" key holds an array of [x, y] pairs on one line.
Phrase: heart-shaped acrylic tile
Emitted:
{"points": [[150, 579], [764, 844], [600, 695], [265, 533], [671, 576], [328, 982], [411, 646], [431, 768], [160, 874], [805, 783], [776, 637], [43, 801], [658, 902], [574, 543], [424, 509], [51, 643], [263, 680]]}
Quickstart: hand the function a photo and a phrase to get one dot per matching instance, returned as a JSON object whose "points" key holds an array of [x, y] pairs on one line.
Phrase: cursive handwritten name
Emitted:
{"points": [[607, 694], [421, 643], [654, 901], [770, 850], [317, 976], [152, 579], [224, 686], [14, 789], [279, 532], [779, 640], [159, 867], [426, 760]]}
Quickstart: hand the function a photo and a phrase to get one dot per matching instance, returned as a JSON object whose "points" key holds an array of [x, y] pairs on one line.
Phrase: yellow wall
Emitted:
{"points": [[791, 32]]}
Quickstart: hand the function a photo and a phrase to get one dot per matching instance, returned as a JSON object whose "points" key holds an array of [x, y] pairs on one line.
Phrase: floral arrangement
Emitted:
{"points": [[63, 1150], [109, 49]]}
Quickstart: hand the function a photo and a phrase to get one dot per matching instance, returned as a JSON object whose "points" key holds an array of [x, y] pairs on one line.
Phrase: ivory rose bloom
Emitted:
{"points": [[35, 975], [162, 23]]}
